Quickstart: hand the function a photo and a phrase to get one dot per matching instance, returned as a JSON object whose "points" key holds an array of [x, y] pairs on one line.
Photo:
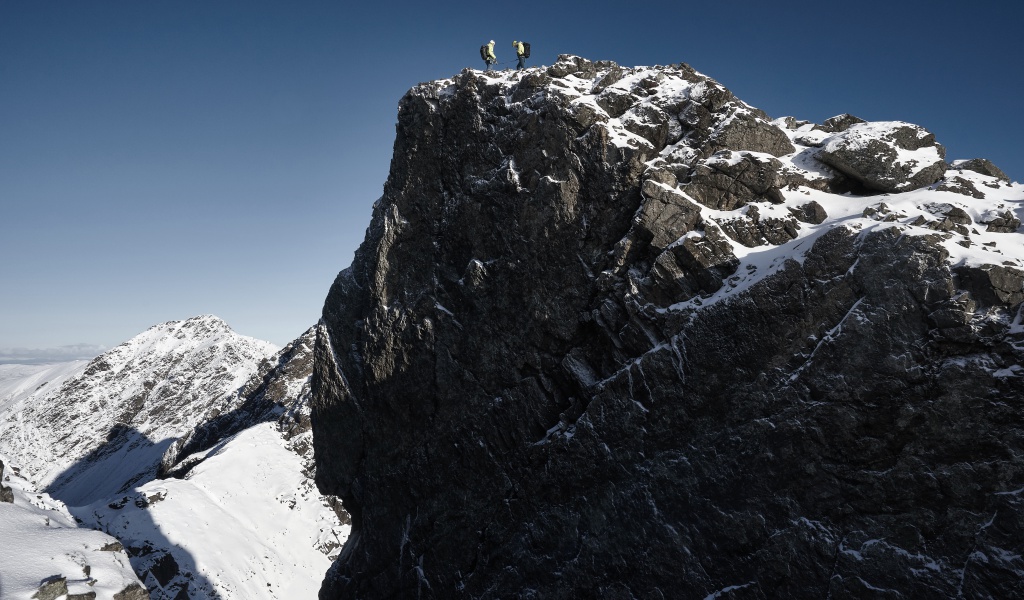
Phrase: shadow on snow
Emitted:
{"points": [[102, 491]]}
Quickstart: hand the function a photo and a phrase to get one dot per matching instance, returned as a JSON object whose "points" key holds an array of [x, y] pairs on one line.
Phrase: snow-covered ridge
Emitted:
{"points": [[968, 237]]}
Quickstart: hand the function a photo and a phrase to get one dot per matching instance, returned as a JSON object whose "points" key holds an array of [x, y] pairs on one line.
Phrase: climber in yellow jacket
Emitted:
{"points": [[489, 57], [520, 54]]}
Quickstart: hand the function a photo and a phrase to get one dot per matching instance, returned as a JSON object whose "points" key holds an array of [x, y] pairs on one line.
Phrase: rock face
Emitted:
{"points": [[6, 494], [570, 360]]}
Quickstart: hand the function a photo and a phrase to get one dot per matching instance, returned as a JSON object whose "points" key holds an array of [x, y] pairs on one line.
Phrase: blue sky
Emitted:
{"points": [[160, 160]]}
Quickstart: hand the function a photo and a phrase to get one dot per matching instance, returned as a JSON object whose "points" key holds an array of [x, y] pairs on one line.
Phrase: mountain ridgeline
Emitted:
{"points": [[614, 333]]}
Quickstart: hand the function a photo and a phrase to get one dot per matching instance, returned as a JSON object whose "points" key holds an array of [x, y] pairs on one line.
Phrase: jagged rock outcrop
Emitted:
{"points": [[983, 166], [726, 182], [1002, 222], [52, 587], [6, 494], [887, 157], [132, 592], [839, 123], [557, 370]]}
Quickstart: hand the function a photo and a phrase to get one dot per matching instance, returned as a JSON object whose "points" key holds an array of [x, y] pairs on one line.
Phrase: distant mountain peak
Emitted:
{"points": [[141, 394]]}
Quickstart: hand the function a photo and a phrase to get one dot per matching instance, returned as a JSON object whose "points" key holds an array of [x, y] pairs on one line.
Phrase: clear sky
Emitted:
{"points": [[161, 160]]}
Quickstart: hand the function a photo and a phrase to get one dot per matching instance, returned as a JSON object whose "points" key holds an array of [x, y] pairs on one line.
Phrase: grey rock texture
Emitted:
{"points": [[812, 212], [960, 185], [6, 493], [726, 181], [547, 374], [886, 157], [751, 230], [983, 166], [132, 592], [840, 123], [1004, 222], [51, 588]]}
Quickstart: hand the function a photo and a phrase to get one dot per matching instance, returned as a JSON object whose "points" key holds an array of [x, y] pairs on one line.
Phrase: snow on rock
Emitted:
{"points": [[18, 382], [775, 186], [981, 165], [887, 156]]}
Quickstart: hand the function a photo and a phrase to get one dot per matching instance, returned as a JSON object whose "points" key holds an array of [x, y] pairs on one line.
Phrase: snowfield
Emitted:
{"points": [[39, 539], [244, 523]]}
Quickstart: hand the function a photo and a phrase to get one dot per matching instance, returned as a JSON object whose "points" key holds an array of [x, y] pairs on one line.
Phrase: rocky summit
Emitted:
{"points": [[614, 333]]}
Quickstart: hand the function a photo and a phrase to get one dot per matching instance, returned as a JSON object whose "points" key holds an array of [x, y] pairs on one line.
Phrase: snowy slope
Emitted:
{"points": [[244, 523], [40, 540], [238, 516], [19, 382]]}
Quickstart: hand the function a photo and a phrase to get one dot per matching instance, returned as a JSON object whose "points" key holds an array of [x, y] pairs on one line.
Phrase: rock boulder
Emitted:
{"points": [[983, 166], [886, 156], [6, 493]]}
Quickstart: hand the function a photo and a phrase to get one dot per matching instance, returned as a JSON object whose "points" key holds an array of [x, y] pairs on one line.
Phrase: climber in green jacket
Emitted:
{"points": [[520, 54], [490, 58]]}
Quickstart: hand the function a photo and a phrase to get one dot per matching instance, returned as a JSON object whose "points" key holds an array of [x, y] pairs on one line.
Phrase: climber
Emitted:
{"points": [[487, 53], [520, 54]]}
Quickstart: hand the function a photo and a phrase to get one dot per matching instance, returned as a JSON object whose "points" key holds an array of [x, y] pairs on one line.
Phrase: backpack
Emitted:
{"points": [[526, 49], [483, 52]]}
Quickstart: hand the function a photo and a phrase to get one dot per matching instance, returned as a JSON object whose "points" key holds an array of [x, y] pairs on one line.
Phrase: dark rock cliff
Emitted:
{"points": [[614, 333]]}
